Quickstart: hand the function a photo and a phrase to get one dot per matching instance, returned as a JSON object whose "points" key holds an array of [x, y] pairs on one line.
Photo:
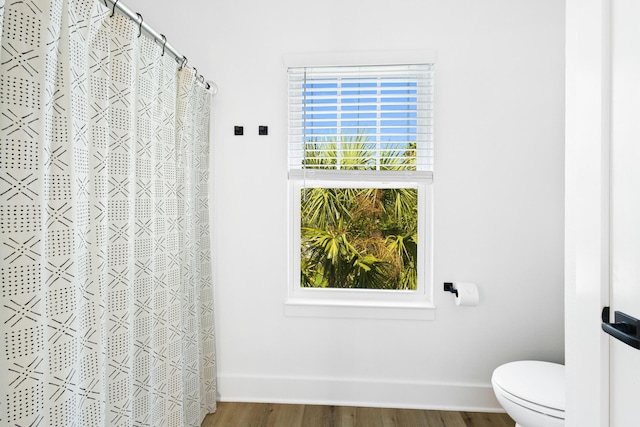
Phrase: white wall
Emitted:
{"points": [[498, 196]]}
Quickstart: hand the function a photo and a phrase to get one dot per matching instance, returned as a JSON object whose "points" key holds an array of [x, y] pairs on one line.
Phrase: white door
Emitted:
{"points": [[625, 206]]}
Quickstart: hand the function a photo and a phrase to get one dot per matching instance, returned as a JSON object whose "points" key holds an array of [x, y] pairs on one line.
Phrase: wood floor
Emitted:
{"points": [[278, 415]]}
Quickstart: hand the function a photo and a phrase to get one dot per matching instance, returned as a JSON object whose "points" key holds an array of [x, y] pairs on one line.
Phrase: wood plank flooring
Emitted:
{"points": [[280, 415]]}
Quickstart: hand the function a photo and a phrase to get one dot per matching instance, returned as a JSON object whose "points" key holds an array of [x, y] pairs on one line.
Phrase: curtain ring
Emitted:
{"points": [[164, 43], [184, 62], [201, 79], [140, 25], [105, 3], [195, 71], [114, 7]]}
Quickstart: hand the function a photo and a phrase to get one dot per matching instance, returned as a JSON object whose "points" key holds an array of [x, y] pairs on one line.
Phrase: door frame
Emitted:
{"points": [[587, 164]]}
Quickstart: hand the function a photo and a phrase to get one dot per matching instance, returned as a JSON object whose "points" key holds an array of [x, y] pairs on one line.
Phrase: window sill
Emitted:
{"points": [[359, 309]]}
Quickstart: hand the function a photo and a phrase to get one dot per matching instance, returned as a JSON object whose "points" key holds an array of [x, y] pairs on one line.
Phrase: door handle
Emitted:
{"points": [[625, 328]]}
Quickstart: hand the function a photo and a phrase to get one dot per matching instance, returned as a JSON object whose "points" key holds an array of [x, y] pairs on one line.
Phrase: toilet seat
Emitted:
{"points": [[549, 412], [537, 386]]}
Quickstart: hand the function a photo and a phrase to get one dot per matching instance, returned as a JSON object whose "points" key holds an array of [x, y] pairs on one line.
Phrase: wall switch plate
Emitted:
{"points": [[263, 130], [238, 130]]}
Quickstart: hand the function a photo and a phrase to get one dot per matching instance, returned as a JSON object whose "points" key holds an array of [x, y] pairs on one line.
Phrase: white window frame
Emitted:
{"points": [[362, 303]]}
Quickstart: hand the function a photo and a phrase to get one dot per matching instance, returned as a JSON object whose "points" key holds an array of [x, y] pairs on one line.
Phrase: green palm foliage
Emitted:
{"points": [[358, 237]]}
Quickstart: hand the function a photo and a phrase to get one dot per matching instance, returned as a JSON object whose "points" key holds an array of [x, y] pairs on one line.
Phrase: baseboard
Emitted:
{"points": [[358, 392]]}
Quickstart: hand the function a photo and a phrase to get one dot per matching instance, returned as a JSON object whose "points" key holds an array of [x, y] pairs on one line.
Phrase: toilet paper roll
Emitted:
{"points": [[467, 294]]}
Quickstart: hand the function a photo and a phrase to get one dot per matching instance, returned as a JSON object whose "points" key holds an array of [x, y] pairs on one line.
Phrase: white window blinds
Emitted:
{"points": [[361, 118]]}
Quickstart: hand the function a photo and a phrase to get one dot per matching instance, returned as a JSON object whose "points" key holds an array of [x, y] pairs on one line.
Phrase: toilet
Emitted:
{"points": [[532, 392]]}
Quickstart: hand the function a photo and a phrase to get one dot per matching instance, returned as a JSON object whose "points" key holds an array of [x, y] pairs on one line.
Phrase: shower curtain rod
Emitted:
{"points": [[159, 38]]}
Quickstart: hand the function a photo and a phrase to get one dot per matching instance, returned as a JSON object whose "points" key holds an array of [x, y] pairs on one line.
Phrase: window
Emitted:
{"points": [[360, 173]]}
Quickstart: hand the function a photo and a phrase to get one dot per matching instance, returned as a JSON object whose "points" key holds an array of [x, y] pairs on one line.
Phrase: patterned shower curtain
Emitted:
{"points": [[106, 305]]}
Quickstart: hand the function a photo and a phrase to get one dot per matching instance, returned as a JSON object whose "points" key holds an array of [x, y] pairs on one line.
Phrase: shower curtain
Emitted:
{"points": [[106, 305]]}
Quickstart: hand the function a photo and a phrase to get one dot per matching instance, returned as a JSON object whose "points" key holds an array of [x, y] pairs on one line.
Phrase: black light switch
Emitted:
{"points": [[263, 130], [238, 130]]}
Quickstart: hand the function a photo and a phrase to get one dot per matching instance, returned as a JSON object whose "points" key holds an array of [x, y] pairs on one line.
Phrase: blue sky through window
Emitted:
{"points": [[383, 111]]}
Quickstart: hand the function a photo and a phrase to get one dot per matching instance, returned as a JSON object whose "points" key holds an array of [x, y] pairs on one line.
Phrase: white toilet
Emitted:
{"points": [[532, 392]]}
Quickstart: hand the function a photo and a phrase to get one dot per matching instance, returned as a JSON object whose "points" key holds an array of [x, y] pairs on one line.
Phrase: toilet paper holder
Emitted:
{"points": [[448, 287]]}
